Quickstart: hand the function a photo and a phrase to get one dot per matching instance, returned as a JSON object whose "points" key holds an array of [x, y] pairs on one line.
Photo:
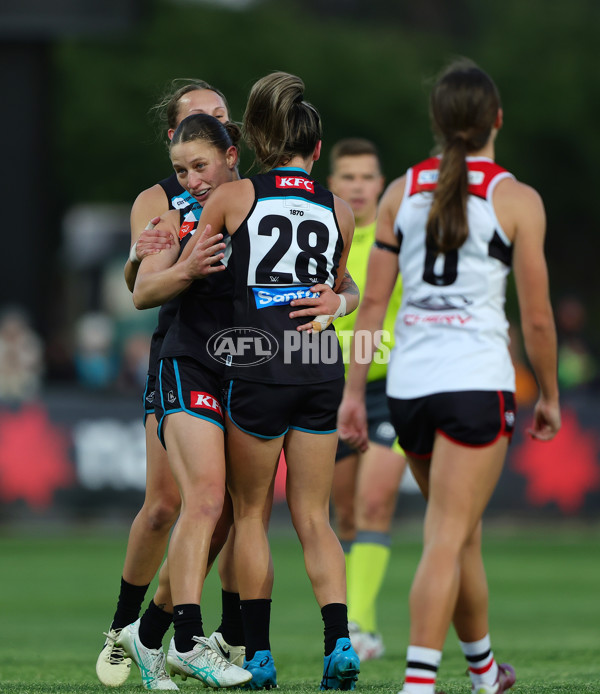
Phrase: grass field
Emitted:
{"points": [[58, 594]]}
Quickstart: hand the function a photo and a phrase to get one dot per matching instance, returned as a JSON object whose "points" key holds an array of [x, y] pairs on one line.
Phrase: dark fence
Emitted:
{"points": [[80, 457]]}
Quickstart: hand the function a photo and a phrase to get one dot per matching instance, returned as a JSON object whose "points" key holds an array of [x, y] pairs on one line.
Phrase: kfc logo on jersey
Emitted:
{"points": [[205, 401], [295, 182]]}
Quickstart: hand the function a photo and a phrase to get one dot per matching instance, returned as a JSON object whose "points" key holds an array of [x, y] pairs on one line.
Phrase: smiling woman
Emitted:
{"points": [[151, 527], [187, 406]]}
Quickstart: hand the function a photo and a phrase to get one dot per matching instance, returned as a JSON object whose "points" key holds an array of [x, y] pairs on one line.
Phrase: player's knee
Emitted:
{"points": [[162, 514], [376, 506], [374, 511], [205, 506], [309, 522]]}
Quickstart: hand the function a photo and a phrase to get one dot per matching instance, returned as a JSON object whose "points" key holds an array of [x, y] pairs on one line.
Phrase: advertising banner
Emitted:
{"points": [[80, 456]]}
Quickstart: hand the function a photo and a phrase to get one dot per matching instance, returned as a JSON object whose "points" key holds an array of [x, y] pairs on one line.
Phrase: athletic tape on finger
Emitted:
{"points": [[325, 320]]}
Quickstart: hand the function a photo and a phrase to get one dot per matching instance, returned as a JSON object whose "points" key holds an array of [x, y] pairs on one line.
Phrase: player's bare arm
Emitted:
{"points": [[155, 283], [537, 320], [148, 205]]}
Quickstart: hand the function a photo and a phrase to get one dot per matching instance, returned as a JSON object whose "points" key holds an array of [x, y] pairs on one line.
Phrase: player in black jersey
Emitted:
{"points": [[190, 378], [287, 234], [150, 529], [204, 155], [193, 96]]}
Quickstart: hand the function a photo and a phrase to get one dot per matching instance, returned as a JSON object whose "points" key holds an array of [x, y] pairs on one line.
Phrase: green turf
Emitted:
{"points": [[58, 594]]}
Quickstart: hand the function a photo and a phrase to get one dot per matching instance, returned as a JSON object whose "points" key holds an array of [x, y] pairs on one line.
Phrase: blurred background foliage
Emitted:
{"points": [[367, 66], [80, 77]]}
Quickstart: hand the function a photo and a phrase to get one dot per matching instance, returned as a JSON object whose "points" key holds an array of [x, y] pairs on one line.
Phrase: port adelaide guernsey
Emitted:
{"points": [[205, 308], [289, 242]]}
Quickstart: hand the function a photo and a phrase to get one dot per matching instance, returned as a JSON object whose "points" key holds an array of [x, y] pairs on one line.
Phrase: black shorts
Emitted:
{"points": [[470, 418], [268, 410], [379, 421], [149, 396], [186, 385]]}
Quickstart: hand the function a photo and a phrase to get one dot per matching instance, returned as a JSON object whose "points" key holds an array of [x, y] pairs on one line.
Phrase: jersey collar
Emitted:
{"points": [[290, 168]]}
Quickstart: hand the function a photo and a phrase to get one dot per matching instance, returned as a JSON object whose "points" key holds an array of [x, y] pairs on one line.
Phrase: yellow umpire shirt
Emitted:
{"points": [[358, 260]]}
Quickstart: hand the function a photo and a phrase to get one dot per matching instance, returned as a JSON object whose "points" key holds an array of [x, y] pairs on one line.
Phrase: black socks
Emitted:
{"points": [[129, 605], [187, 620]]}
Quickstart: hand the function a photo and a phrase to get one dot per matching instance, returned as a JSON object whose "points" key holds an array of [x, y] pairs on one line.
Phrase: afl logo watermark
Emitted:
{"points": [[242, 346]]}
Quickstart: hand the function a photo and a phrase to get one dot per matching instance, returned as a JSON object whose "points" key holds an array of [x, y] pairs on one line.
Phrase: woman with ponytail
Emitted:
{"points": [[279, 242], [287, 240], [454, 226], [151, 527], [190, 425]]}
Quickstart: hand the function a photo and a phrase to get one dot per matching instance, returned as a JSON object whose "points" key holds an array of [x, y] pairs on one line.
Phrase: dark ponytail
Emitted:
{"points": [[464, 106]]}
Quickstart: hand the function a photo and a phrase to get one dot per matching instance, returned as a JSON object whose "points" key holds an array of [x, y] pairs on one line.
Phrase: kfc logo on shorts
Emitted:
{"points": [[205, 401], [295, 182]]}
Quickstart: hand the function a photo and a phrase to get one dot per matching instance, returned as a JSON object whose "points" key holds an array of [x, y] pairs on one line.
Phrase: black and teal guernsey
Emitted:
{"points": [[289, 241], [204, 309], [179, 199], [188, 219]]}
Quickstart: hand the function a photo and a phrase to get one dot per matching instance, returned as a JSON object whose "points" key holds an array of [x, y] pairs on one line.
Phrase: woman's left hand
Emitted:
{"points": [[325, 302]]}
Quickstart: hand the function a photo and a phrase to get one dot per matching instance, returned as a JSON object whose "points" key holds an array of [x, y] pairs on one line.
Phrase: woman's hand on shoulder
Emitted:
{"points": [[161, 236], [206, 255], [155, 238]]}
